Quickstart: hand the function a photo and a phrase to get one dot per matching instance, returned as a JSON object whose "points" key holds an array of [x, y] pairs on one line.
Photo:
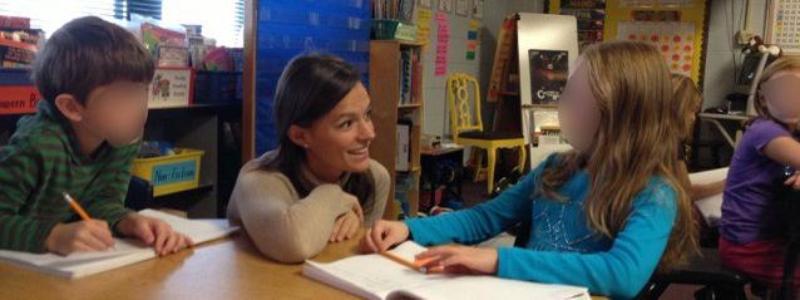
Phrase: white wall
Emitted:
{"points": [[436, 118], [723, 25], [435, 110]]}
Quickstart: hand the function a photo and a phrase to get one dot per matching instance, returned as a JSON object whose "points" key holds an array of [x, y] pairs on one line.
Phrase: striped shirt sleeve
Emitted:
{"points": [[109, 202], [20, 168]]}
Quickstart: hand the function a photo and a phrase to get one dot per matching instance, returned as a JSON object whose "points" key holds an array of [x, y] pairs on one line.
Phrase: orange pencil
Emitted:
{"points": [[416, 266], [76, 207], [402, 261]]}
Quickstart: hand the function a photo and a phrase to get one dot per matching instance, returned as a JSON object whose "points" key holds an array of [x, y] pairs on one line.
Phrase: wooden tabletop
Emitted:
{"points": [[227, 269]]}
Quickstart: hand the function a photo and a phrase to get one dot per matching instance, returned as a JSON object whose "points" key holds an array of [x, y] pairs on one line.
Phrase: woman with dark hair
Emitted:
{"points": [[319, 186]]}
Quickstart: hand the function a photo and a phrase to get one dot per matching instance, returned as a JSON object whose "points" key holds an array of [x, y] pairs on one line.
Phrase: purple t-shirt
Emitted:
{"points": [[749, 212]]}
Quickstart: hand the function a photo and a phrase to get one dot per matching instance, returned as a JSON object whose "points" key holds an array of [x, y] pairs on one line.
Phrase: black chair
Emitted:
{"points": [[705, 270], [790, 200]]}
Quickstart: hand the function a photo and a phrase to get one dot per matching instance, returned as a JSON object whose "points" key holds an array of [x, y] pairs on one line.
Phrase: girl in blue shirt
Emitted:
{"points": [[605, 215]]}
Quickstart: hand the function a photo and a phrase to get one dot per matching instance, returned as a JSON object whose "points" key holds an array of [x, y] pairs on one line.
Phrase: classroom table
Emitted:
{"points": [[230, 268]]}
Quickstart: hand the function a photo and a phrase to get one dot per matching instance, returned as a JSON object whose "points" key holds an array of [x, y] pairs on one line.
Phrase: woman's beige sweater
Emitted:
{"points": [[288, 228]]}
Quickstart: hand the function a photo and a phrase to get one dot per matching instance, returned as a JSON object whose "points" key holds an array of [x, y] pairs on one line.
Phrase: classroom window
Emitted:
{"points": [[222, 20]]}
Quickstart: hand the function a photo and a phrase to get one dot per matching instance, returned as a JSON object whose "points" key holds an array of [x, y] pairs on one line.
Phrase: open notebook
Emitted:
{"points": [[710, 207], [377, 277], [125, 251]]}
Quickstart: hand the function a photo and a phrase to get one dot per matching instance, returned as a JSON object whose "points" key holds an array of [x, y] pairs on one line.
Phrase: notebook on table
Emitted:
{"points": [[125, 251], [374, 276]]}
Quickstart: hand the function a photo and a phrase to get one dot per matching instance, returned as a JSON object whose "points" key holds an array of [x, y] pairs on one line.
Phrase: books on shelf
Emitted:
{"points": [[403, 153], [410, 76]]}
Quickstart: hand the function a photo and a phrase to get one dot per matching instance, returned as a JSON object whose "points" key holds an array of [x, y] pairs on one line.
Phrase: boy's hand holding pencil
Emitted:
{"points": [[85, 235]]}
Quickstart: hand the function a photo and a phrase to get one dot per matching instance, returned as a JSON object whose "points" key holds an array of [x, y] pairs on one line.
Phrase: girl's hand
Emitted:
{"points": [[460, 259], [346, 227], [793, 181], [383, 235]]}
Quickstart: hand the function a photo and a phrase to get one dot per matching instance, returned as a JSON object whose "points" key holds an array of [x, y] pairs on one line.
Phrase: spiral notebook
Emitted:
{"points": [[125, 252]]}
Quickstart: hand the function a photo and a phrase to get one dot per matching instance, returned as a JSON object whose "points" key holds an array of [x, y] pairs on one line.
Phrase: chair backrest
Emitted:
{"points": [[464, 101]]}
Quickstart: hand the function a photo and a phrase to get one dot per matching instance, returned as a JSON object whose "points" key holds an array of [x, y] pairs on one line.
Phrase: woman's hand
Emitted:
{"points": [[346, 227], [460, 259], [384, 235]]}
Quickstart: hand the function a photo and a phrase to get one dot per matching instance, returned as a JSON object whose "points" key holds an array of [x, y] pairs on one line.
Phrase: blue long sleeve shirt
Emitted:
{"points": [[562, 248]]}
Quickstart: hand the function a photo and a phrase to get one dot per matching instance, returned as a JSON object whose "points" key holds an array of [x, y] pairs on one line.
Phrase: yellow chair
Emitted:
{"points": [[468, 130]]}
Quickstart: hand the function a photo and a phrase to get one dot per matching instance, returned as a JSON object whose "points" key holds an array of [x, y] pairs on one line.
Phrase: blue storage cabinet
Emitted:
{"points": [[287, 28]]}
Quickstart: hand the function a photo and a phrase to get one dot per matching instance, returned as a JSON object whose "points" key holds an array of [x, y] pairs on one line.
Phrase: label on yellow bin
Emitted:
{"points": [[173, 173]]}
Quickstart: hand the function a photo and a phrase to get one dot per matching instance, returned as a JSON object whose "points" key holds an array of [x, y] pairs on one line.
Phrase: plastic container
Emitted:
{"points": [[172, 173], [393, 30]]}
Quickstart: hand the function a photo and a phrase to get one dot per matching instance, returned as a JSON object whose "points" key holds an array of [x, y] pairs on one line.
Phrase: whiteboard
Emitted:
{"points": [[542, 32]]}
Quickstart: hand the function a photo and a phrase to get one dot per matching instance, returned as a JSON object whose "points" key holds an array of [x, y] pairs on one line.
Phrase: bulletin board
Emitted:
{"points": [[676, 27], [783, 25]]}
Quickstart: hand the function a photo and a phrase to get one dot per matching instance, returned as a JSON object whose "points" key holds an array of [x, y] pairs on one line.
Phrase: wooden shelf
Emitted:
{"points": [[384, 76], [409, 106], [410, 43], [202, 189], [540, 106], [192, 107]]}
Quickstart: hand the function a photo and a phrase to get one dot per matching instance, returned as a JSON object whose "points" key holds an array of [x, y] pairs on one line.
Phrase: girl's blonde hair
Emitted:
{"points": [[635, 140], [687, 103], [784, 63]]}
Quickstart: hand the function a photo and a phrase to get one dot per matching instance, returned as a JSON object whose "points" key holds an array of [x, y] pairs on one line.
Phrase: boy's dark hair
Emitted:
{"points": [[86, 53]]}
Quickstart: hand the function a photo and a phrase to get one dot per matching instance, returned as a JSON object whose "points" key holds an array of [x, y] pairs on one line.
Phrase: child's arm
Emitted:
{"points": [[112, 187], [619, 272], [784, 150], [481, 222], [701, 191], [20, 166], [282, 228]]}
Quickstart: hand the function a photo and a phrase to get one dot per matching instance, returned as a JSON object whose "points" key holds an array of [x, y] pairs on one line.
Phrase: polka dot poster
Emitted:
{"points": [[675, 41]]}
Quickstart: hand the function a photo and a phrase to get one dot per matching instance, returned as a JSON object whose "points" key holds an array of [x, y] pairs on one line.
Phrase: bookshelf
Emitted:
{"points": [[395, 76]]}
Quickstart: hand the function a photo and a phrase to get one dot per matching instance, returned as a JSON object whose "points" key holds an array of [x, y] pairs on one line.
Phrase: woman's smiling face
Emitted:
{"points": [[339, 141]]}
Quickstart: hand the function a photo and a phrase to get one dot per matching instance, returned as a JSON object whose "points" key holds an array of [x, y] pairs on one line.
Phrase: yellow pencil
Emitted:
{"points": [[76, 207]]}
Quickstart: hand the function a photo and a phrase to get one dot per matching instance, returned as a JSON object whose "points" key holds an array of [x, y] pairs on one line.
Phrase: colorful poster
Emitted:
{"points": [[423, 21], [675, 40], [477, 9], [784, 25], [472, 39], [442, 43], [462, 8], [549, 71], [446, 6]]}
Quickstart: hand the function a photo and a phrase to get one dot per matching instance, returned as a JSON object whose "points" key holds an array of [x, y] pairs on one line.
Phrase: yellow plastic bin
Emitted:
{"points": [[172, 173]]}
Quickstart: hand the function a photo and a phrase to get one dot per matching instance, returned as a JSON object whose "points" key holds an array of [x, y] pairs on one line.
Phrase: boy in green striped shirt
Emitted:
{"points": [[93, 77]]}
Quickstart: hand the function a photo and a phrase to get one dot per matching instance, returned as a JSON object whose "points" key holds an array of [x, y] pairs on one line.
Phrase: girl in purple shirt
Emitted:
{"points": [[751, 225]]}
